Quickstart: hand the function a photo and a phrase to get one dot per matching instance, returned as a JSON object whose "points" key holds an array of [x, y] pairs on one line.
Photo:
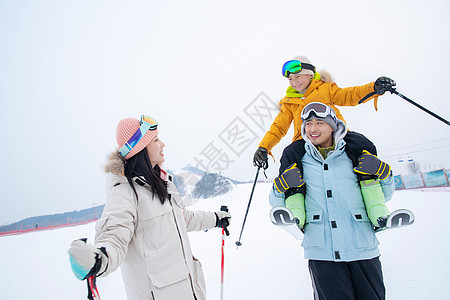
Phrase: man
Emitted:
{"points": [[339, 240]]}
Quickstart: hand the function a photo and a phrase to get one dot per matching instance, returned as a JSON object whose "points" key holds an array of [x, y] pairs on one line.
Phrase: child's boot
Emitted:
{"points": [[374, 201], [296, 204]]}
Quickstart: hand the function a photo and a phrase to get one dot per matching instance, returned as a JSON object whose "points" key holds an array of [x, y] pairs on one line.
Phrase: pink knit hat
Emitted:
{"points": [[125, 130]]}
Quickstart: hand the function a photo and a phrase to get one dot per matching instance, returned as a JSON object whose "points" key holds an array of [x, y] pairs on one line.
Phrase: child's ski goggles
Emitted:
{"points": [[319, 109], [295, 66], [147, 123]]}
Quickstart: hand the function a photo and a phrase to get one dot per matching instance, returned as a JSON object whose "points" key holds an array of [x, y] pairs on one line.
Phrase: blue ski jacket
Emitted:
{"points": [[337, 227]]}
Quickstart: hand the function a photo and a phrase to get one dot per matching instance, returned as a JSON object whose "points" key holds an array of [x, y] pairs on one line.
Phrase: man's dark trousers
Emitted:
{"points": [[362, 280]]}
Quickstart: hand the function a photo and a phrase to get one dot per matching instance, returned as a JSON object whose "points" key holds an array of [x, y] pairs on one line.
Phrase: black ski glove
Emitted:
{"points": [[369, 164], [291, 178], [260, 158], [383, 84], [223, 219]]}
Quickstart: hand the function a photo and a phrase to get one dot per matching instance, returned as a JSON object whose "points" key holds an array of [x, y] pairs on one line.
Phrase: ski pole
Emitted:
{"points": [[238, 243], [393, 91], [92, 288], [222, 264]]}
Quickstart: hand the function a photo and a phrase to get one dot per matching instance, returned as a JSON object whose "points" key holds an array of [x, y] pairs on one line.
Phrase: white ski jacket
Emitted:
{"points": [[149, 240]]}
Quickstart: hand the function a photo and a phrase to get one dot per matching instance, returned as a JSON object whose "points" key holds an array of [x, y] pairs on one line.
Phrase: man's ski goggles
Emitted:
{"points": [[147, 123], [295, 66], [319, 109]]}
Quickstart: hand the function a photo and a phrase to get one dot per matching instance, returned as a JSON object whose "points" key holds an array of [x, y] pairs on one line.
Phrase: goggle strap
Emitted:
{"points": [[126, 148], [308, 67]]}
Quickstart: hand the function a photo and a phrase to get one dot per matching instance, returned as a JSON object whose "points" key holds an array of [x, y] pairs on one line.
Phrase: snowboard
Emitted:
{"points": [[284, 219], [398, 218]]}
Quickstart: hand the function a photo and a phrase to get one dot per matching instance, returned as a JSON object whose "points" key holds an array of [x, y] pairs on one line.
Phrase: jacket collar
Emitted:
{"points": [[324, 77]]}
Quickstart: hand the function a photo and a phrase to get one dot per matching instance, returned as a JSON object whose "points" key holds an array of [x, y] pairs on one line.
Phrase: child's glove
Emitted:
{"points": [[260, 158], [383, 84], [291, 178], [369, 164], [87, 260]]}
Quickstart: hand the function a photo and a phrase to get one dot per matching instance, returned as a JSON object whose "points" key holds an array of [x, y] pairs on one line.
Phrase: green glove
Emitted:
{"points": [[369, 164], [291, 178]]}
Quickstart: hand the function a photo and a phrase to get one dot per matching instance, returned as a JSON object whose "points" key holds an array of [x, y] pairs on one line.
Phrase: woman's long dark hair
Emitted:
{"points": [[140, 165]]}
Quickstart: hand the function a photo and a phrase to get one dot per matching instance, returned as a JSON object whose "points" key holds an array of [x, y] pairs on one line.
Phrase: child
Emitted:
{"points": [[306, 86]]}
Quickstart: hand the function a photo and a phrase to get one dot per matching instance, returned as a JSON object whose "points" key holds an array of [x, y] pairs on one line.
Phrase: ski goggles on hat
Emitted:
{"points": [[295, 66], [319, 109], [147, 123]]}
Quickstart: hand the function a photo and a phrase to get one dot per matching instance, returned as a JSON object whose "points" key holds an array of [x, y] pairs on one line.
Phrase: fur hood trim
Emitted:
{"points": [[115, 164], [325, 76]]}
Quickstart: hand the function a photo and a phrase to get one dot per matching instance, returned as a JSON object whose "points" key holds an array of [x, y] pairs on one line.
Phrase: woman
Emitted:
{"points": [[144, 224]]}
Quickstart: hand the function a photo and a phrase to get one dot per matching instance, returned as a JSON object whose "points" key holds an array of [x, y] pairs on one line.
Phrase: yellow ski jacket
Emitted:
{"points": [[323, 91]]}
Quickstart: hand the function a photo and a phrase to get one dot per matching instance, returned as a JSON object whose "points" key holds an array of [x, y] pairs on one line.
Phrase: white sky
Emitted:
{"points": [[70, 70]]}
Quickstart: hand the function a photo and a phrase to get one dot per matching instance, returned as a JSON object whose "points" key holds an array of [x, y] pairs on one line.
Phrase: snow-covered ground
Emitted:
{"points": [[268, 265]]}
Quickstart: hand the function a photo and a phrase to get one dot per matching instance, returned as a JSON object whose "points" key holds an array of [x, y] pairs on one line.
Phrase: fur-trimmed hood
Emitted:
{"points": [[114, 167], [325, 76], [115, 164]]}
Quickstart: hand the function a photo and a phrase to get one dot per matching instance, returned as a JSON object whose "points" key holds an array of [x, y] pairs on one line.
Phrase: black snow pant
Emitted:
{"points": [[362, 280]]}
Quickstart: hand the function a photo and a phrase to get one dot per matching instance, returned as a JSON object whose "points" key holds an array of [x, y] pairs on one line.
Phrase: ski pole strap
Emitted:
{"points": [[366, 97], [92, 288]]}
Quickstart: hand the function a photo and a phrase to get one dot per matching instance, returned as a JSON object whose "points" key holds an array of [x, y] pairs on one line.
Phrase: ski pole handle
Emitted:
{"points": [[225, 228]]}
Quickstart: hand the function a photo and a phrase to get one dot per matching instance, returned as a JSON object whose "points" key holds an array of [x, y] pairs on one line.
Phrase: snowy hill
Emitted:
{"points": [[268, 265], [194, 184]]}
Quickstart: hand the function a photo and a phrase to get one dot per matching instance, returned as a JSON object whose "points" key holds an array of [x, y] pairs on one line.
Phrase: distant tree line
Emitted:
{"points": [[56, 219], [210, 185]]}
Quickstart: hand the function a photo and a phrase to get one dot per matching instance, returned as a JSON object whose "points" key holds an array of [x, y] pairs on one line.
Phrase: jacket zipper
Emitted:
{"points": [[182, 247]]}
